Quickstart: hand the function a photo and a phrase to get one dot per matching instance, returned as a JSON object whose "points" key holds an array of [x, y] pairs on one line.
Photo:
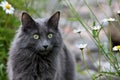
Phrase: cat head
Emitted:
{"points": [[40, 35]]}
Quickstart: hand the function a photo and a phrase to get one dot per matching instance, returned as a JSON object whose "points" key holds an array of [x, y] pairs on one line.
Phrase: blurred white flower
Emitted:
{"points": [[108, 20], [96, 28], [111, 19], [118, 12], [116, 48], [77, 31], [7, 7], [81, 46]]}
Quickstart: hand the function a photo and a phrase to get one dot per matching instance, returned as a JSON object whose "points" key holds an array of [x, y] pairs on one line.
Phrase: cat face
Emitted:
{"points": [[40, 35]]}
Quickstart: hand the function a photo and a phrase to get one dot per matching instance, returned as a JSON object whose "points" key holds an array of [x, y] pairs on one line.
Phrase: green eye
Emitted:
{"points": [[50, 35], [36, 36]]}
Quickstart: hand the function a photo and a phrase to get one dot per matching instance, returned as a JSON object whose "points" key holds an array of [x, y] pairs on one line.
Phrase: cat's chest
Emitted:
{"points": [[39, 65], [35, 65], [43, 68]]}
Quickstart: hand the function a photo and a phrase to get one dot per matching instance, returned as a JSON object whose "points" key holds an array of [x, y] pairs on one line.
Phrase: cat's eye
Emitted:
{"points": [[50, 35], [36, 36]]}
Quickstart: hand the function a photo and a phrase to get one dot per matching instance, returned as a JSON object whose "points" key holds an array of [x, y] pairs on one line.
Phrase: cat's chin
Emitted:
{"points": [[44, 52]]}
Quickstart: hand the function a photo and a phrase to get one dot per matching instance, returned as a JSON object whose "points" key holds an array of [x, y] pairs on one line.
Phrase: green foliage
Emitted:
{"points": [[2, 72], [8, 25]]}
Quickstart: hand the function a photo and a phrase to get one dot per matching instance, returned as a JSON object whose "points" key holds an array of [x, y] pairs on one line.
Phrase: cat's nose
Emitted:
{"points": [[45, 46]]}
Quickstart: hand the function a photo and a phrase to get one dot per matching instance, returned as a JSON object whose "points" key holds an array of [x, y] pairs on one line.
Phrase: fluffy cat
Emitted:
{"points": [[38, 52]]}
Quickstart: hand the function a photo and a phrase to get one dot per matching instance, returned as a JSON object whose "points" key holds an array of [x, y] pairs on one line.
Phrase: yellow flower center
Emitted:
{"points": [[7, 6], [118, 47]]}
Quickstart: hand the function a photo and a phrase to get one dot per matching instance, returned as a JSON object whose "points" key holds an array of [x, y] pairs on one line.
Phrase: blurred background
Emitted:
{"points": [[94, 65]]}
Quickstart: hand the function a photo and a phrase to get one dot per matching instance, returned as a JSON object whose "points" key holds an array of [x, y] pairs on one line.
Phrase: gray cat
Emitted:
{"points": [[38, 51]]}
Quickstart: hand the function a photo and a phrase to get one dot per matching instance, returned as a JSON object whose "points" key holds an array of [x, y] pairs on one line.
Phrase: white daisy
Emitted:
{"points": [[118, 12], [111, 19], [7, 7], [108, 20], [96, 28], [116, 48], [82, 46]]}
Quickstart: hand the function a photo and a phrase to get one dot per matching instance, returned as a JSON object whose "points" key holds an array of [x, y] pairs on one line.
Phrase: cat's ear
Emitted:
{"points": [[54, 20], [27, 21]]}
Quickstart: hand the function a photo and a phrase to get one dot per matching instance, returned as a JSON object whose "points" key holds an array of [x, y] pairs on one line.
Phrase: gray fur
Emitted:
{"points": [[29, 60]]}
